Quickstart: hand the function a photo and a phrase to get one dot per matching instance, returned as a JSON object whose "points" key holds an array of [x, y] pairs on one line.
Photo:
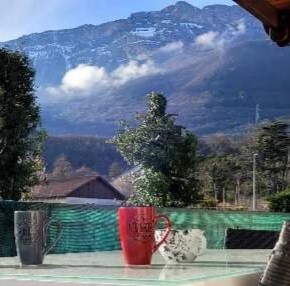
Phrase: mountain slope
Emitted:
{"points": [[218, 93], [214, 64], [113, 43]]}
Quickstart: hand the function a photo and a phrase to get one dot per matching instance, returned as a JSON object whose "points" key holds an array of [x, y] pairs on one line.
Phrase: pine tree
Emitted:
{"points": [[165, 153], [273, 146], [21, 139]]}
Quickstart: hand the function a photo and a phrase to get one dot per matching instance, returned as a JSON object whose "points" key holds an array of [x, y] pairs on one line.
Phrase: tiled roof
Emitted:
{"points": [[61, 188]]}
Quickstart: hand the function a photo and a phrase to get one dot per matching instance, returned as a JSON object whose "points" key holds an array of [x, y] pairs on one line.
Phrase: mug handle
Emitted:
{"points": [[168, 228], [53, 244]]}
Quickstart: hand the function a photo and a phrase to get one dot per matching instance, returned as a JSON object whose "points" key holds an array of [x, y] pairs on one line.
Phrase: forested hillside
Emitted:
{"points": [[88, 151]]}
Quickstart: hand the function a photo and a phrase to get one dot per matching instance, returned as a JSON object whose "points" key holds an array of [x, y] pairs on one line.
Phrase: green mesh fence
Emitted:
{"points": [[88, 228], [85, 228], [214, 223]]}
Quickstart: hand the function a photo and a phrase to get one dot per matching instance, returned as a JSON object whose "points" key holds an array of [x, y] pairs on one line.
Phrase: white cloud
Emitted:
{"points": [[133, 70], [172, 47], [242, 27], [216, 40], [142, 57], [239, 29], [85, 79], [209, 40]]}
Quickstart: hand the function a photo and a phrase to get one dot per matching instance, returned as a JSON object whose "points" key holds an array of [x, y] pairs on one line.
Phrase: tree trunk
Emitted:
{"points": [[224, 198], [215, 193], [239, 191], [236, 195]]}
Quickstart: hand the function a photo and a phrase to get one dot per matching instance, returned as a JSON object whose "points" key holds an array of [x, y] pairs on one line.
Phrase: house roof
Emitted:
{"points": [[61, 188], [274, 15]]}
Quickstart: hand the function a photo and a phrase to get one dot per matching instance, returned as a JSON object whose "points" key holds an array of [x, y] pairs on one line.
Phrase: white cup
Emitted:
{"points": [[182, 246]]}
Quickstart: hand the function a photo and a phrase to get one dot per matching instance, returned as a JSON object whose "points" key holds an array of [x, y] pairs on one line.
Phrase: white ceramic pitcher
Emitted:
{"points": [[182, 246]]}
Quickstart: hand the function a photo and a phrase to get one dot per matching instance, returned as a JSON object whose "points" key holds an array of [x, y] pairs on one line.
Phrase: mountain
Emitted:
{"points": [[111, 44], [214, 64]]}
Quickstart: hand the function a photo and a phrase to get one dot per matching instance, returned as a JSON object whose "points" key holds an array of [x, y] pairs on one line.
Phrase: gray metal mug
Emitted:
{"points": [[30, 231]]}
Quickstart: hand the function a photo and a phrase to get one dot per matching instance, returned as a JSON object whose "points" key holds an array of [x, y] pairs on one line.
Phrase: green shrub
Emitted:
{"points": [[280, 202], [208, 204]]}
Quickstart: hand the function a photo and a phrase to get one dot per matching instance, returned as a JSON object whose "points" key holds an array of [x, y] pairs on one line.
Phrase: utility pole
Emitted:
{"points": [[254, 182]]}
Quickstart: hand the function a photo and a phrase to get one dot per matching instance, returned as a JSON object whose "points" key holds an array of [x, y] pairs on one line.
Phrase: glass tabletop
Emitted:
{"points": [[102, 268]]}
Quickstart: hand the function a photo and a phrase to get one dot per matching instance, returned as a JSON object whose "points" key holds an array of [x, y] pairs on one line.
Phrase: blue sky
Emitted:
{"points": [[19, 17]]}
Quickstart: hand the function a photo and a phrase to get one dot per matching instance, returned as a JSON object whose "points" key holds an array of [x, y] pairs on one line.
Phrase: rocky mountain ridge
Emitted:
{"points": [[214, 64], [110, 44]]}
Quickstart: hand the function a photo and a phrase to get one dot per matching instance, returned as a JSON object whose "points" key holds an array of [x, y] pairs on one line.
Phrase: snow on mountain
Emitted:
{"points": [[144, 32], [110, 44], [89, 76]]}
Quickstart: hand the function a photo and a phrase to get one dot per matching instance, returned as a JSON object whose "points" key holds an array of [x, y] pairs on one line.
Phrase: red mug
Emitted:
{"points": [[137, 226]]}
